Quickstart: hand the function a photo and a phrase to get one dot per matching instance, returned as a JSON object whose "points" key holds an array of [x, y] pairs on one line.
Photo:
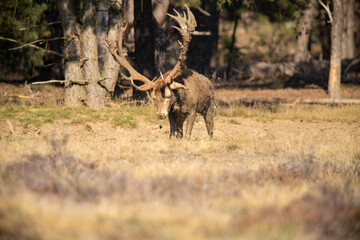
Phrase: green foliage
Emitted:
{"points": [[123, 121], [229, 4], [276, 10], [37, 115], [23, 21], [279, 10]]}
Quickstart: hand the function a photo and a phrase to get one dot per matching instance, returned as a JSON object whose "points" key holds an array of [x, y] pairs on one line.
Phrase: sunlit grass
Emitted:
{"points": [[38, 115], [268, 173], [348, 114]]}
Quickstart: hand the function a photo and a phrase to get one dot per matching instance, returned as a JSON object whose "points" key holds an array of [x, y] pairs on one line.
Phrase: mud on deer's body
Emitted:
{"points": [[185, 103], [180, 93]]}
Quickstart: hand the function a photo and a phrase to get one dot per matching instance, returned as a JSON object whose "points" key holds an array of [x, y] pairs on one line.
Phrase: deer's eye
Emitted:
{"points": [[163, 93]]}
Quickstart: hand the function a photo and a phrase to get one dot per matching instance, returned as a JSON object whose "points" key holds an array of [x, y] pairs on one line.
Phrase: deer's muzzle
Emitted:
{"points": [[161, 115]]}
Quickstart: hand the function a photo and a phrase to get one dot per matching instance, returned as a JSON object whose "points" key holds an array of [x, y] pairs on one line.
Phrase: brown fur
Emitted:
{"points": [[185, 103]]}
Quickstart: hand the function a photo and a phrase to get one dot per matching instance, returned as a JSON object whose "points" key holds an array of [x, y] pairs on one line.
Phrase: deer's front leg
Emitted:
{"points": [[172, 125], [176, 125]]}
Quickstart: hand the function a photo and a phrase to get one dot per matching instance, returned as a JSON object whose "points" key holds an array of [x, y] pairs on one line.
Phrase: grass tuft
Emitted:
{"points": [[127, 121]]}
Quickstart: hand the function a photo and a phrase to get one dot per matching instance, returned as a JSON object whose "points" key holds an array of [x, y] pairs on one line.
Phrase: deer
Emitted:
{"points": [[180, 93]]}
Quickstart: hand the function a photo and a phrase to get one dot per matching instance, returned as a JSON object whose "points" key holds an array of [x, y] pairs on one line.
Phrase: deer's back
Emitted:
{"points": [[199, 93]]}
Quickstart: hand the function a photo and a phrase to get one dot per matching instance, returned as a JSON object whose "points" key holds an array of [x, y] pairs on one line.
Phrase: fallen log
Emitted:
{"points": [[18, 96], [236, 101], [333, 101], [287, 74]]}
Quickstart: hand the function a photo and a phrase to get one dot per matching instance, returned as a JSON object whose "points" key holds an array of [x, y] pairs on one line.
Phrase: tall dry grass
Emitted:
{"points": [[269, 173]]}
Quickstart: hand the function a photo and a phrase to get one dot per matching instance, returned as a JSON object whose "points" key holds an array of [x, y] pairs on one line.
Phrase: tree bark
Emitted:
{"points": [[91, 67], [348, 41], [74, 93], [102, 24], [161, 36], [203, 49], [305, 24], [129, 17], [83, 81], [159, 11], [324, 35], [335, 58], [231, 50], [111, 67], [144, 41]]}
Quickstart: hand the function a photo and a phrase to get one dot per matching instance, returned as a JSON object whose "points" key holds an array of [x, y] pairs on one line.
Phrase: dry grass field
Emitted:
{"points": [[270, 172]]}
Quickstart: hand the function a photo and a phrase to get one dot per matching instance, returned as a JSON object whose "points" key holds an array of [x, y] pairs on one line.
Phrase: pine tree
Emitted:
{"points": [[23, 22]]}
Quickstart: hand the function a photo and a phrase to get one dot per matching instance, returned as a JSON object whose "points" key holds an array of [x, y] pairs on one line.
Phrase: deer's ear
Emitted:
{"points": [[176, 85]]}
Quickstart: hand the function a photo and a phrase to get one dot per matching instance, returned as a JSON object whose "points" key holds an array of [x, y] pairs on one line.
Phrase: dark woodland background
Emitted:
{"points": [[279, 43]]}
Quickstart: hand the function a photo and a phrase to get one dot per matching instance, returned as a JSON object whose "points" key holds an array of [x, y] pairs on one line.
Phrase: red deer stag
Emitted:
{"points": [[180, 93]]}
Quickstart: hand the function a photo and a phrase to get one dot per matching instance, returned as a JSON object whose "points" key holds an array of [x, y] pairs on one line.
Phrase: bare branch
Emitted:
{"points": [[33, 46], [81, 82], [50, 81], [8, 39], [37, 41], [353, 63], [48, 24], [327, 8], [197, 33], [203, 11], [19, 96]]}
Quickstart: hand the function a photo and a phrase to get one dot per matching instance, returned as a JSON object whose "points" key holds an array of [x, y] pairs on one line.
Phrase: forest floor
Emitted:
{"points": [[44, 94], [270, 172]]}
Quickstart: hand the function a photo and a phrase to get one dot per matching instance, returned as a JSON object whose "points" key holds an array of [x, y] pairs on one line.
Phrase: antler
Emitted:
{"points": [[187, 25], [120, 58]]}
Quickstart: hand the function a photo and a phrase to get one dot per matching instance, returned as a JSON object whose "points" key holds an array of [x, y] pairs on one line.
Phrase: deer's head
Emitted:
{"points": [[162, 88]]}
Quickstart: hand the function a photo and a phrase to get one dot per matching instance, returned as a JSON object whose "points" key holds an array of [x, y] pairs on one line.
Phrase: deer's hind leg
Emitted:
{"points": [[190, 124]]}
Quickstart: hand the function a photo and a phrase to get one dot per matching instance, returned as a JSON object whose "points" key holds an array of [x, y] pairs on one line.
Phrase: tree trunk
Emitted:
{"points": [[203, 49], [160, 10], [90, 55], [324, 35], [335, 58], [161, 36], [304, 28], [144, 41], [129, 17], [102, 23], [111, 67], [74, 93], [84, 83], [231, 49], [348, 42]]}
